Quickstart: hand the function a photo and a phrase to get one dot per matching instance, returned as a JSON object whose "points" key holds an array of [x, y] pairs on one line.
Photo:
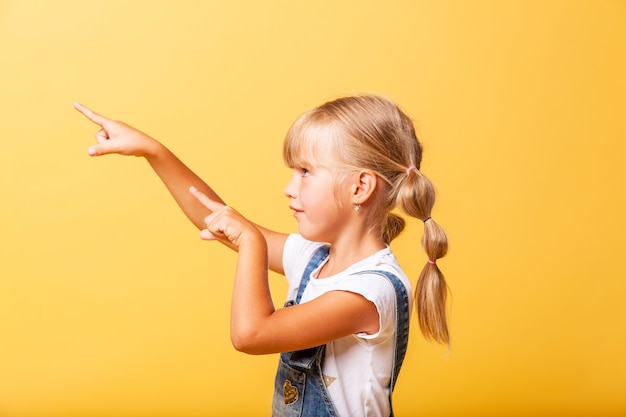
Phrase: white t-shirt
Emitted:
{"points": [[357, 368]]}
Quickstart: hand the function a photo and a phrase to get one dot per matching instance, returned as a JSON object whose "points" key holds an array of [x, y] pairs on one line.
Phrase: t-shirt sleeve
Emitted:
{"points": [[377, 289]]}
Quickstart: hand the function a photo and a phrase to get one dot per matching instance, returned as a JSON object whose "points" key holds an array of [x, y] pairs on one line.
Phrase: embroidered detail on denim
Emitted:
{"points": [[290, 393], [329, 380]]}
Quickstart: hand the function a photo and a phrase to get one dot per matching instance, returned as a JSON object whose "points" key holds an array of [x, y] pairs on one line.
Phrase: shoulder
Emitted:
{"points": [[381, 280], [381, 274], [373, 285]]}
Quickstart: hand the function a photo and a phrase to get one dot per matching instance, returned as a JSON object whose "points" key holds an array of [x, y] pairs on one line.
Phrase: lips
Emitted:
{"points": [[296, 211]]}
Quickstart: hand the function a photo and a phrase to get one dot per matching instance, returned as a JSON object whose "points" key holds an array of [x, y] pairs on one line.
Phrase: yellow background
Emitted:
{"points": [[110, 304]]}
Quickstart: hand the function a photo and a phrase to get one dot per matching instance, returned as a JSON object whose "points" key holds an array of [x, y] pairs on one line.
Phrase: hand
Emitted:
{"points": [[116, 137], [225, 224]]}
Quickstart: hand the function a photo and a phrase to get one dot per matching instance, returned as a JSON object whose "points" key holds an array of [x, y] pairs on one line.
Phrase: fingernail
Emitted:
{"points": [[91, 151]]}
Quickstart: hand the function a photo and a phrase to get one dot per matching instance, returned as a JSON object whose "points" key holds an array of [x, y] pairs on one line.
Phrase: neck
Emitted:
{"points": [[347, 252]]}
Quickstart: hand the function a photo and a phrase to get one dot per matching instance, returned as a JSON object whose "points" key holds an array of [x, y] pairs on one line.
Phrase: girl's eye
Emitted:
{"points": [[305, 172]]}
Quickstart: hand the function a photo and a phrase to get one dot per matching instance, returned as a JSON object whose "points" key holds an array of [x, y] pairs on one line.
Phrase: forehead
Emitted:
{"points": [[311, 142]]}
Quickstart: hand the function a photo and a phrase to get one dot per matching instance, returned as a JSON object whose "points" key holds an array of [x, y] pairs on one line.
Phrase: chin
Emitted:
{"points": [[313, 237]]}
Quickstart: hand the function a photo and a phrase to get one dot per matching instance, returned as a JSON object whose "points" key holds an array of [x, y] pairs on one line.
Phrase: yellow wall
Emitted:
{"points": [[111, 305]]}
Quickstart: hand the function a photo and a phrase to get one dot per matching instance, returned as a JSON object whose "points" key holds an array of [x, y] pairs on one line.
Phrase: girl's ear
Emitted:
{"points": [[363, 186]]}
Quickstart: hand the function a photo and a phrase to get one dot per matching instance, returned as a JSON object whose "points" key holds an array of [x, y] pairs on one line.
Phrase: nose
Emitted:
{"points": [[290, 188]]}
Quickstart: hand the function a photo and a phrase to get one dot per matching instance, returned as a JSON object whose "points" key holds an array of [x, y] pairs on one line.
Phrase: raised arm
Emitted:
{"points": [[115, 137]]}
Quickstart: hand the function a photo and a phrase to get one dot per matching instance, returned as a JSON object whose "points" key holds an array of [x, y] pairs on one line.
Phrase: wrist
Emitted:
{"points": [[252, 241], [153, 149]]}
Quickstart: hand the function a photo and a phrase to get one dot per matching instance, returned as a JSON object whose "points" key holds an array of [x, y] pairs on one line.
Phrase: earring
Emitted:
{"points": [[357, 207]]}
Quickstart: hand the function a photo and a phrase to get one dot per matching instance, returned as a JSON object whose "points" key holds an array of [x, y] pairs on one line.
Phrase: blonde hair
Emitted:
{"points": [[372, 132]]}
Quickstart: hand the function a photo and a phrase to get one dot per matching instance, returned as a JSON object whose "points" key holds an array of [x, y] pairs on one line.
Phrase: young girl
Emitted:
{"points": [[344, 329]]}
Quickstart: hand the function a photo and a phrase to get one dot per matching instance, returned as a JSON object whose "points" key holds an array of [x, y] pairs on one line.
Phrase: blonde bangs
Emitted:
{"points": [[311, 141]]}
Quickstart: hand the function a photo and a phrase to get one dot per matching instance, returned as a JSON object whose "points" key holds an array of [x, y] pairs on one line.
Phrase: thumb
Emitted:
{"points": [[206, 234], [102, 148]]}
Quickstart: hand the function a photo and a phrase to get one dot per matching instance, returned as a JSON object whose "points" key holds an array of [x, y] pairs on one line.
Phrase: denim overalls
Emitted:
{"points": [[299, 389]]}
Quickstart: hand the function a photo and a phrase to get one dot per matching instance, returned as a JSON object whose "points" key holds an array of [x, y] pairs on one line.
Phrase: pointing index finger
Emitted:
{"points": [[90, 114], [206, 201]]}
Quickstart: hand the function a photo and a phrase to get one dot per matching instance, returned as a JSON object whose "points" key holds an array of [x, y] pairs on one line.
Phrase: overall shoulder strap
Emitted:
{"points": [[402, 321], [306, 358], [316, 260]]}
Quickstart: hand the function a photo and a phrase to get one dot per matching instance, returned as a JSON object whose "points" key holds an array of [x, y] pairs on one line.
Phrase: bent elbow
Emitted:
{"points": [[240, 345], [246, 342]]}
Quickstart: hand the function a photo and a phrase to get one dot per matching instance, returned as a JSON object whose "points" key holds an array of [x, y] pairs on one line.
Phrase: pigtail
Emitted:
{"points": [[393, 227], [432, 291], [417, 197]]}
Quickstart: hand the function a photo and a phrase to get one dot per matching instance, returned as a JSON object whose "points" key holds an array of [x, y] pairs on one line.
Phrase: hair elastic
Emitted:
{"points": [[409, 169], [426, 219], [432, 262]]}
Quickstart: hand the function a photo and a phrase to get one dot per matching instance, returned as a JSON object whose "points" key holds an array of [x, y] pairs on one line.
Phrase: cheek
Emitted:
{"points": [[319, 197]]}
